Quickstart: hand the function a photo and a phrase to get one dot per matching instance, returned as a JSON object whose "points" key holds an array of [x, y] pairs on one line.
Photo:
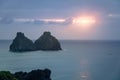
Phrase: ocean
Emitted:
{"points": [[79, 60]]}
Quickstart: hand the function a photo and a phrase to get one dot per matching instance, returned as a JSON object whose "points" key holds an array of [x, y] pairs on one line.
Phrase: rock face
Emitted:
{"points": [[33, 75], [21, 43], [47, 42]]}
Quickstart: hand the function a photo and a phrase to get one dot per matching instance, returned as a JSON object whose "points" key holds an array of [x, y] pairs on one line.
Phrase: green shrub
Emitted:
{"points": [[6, 75]]}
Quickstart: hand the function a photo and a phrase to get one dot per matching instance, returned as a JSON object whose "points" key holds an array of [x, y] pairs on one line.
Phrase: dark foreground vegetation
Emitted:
{"points": [[33, 75]]}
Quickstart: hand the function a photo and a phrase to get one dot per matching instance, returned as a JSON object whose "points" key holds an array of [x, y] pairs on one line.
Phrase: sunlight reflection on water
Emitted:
{"points": [[84, 74]]}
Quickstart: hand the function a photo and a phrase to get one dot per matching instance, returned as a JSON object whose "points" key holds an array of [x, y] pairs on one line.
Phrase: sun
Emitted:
{"points": [[84, 20]]}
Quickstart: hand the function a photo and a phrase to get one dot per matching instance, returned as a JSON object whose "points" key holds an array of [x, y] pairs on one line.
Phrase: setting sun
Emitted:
{"points": [[84, 21]]}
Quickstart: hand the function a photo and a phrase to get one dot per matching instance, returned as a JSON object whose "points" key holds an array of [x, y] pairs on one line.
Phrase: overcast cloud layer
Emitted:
{"points": [[36, 16]]}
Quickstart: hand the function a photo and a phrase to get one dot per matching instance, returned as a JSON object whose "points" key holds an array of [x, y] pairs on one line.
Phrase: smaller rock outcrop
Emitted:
{"points": [[47, 42], [21, 43], [33, 75]]}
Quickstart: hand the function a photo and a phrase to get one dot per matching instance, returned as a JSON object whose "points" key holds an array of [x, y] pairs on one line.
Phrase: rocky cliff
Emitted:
{"points": [[47, 42], [21, 43], [33, 75]]}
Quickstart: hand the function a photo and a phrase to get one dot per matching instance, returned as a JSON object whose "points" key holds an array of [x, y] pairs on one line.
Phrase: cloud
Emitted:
{"points": [[39, 22], [6, 20], [23, 20], [0, 18], [49, 21], [45, 21], [114, 15], [68, 21]]}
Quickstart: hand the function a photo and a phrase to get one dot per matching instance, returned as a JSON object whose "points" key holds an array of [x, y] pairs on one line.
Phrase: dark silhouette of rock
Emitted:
{"points": [[20, 75], [34, 75], [21, 43], [47, 42]]}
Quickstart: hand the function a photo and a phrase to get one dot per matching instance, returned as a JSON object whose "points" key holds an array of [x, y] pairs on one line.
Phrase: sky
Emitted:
{"points": [[62, 18]]}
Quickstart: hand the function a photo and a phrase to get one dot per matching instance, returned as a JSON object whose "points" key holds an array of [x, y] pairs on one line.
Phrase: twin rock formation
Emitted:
{"points": [[46, 42]]}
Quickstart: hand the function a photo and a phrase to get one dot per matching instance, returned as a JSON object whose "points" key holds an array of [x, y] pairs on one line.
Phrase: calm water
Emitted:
{"points": [[79, 60]]}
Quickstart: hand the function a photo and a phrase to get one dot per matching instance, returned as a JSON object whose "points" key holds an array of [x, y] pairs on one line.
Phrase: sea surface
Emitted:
{"points": [[79, 60]]}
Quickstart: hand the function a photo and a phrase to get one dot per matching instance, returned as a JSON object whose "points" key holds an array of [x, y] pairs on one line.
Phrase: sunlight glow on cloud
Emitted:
{"points": [[53, 20], [84, 20], [45, 21]]}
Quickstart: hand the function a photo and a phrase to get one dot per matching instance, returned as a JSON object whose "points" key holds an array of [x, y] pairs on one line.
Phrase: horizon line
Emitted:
{"points": [[74, 39]]}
